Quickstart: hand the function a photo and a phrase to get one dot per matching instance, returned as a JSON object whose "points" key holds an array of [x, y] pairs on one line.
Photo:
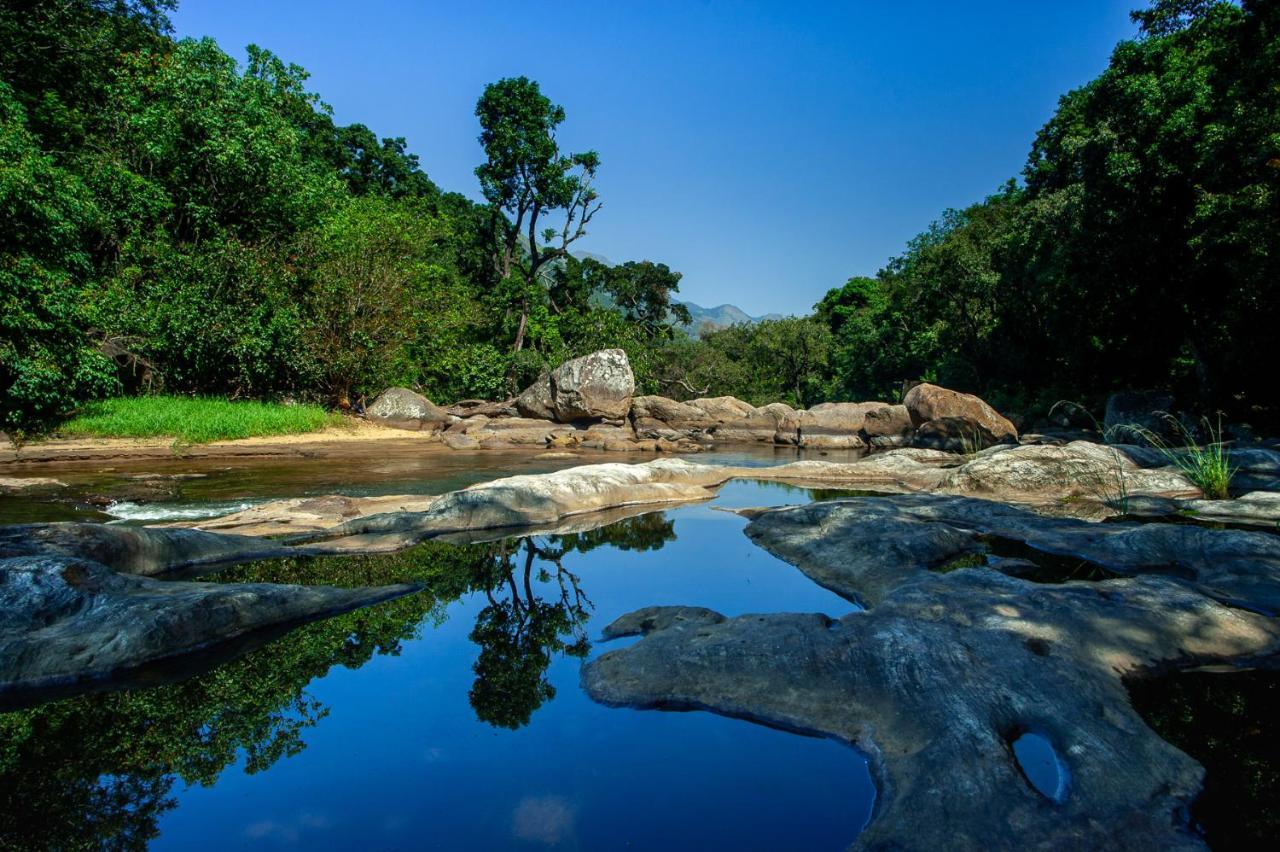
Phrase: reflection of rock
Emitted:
{"points": [[944, 671], [67, 619]]}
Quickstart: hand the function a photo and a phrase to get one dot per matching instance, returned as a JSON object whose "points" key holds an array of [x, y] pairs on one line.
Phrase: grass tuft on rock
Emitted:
{"points": [[194, 420], [1207, 465]]}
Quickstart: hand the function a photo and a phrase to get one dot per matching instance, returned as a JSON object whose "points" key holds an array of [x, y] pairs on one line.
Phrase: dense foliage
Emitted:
{"points": [[1138, 253], [174, 220]]}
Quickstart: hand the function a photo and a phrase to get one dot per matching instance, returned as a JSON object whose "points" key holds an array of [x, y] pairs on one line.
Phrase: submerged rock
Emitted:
{"points": [[945, 671]]}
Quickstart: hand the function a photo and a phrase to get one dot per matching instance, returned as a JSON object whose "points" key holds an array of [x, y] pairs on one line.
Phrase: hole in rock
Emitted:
{"points": [[1226, 720], [1041, 765]]}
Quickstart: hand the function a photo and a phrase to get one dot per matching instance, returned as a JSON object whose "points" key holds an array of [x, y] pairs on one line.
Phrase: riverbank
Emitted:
{"points": [[328, 441]]}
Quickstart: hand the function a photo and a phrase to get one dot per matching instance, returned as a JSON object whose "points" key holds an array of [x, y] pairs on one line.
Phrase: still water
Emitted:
{"points": [[450, 719]]}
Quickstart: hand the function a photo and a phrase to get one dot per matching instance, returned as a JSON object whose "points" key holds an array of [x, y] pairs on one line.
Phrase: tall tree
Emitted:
{"points": [[541, 199]]}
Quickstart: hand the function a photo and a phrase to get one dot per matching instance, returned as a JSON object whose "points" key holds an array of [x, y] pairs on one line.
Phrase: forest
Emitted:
{"points": [[175, 219]]}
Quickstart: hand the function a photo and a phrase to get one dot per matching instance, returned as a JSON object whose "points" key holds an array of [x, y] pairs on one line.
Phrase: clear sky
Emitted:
{"points": [[767, 150]]}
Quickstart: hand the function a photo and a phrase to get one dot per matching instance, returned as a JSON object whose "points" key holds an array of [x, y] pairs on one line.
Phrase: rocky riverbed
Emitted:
{"points": [[960, 649]]}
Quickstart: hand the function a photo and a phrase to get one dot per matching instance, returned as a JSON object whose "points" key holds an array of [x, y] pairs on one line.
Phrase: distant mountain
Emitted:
{"points": [[710, 319], [721, 316]]}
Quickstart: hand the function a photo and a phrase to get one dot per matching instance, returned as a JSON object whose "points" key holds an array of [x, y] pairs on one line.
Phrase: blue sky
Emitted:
{"points": [[767, 150]]}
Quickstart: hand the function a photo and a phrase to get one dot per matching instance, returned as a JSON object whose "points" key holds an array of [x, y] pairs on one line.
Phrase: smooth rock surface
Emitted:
{"points": [[401, 408]]}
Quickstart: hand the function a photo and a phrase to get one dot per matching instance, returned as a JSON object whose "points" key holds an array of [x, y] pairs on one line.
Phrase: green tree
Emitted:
{"points": [[528, 184], [47, 363]]}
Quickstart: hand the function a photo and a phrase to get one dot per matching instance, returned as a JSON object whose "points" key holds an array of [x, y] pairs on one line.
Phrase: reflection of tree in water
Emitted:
{"points": [[1228, 723], [520, 632], [98, 770]]}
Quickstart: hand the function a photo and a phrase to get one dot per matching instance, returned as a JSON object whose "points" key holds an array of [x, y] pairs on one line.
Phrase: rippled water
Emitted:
{"points": [[451, 719]]}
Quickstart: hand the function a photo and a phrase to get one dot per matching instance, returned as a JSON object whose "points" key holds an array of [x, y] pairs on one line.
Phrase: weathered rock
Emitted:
{"points": [[597, 385], [134, 550], [518, 431], [937, 679], [723, 419], [843, 425], [305, 514], [535, 401], [926, 402], [885, 540], [1080, 469], [401, 408], [1256, 508], [65, 620]]}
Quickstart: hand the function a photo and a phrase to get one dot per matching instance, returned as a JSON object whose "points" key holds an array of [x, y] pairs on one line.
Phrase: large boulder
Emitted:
{"points": [[1132, 415], [595, 386], [966, 418], [401, 408]]}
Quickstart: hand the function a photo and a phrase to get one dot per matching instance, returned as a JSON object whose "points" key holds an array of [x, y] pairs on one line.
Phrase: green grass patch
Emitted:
{"points": [[1207, 465], [194, 420]]}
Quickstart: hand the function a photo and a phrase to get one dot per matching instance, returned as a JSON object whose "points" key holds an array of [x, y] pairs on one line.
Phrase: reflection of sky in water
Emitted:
{"points": [[402, 762]]}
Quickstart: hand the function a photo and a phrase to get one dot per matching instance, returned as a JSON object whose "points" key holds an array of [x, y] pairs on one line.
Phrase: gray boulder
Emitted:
{"points": [[1129, 414], [599, 385], [401, 408]]}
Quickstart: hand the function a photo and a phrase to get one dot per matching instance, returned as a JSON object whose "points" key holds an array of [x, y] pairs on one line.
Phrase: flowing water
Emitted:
{"points": [[448, 719]]}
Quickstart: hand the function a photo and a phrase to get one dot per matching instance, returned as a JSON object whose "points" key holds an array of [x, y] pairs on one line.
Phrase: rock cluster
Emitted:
{"points": [[588, 402]]}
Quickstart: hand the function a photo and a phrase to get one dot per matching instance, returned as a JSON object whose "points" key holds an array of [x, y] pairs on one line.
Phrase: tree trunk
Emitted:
{"points": [[524, 321]]}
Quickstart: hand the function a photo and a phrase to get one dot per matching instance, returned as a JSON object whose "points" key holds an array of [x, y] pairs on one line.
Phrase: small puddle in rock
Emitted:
{"points": [[1229, 723], [1041, 766], [1018, 559]]}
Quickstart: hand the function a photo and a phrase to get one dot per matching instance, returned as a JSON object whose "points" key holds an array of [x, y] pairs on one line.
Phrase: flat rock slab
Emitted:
{"points": [[944, 671]]}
